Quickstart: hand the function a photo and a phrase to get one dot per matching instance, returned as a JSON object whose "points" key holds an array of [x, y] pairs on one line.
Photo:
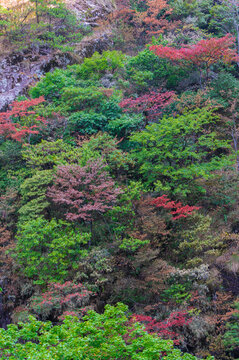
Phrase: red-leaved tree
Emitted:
{"points": [[21, 120], [61, 300], [203, 54], [151, 104], [166, 328], [177, 210], [84, 191]]}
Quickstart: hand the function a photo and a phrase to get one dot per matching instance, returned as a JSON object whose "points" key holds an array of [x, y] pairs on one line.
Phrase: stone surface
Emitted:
{"points": [[20, 70]]}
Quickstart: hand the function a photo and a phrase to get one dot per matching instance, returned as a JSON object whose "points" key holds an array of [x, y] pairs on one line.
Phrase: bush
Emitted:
{"points": [[98, 64], [176, 292], [77, 98], [53, 83], [86, 122], [224, 89], [146, 70], [125, 125], [119, 162], [131, 244]]}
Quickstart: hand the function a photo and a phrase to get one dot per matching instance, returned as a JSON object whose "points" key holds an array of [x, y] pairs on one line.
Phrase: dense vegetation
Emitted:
{"points": [[119, 187]]}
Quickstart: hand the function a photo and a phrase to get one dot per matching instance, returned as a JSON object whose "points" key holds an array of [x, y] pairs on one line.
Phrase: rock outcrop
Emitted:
{"points": [[21, 69]]}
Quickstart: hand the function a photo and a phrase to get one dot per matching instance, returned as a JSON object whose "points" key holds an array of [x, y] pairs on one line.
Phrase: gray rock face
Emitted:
{"points": [[18, 71], [90, 10]]}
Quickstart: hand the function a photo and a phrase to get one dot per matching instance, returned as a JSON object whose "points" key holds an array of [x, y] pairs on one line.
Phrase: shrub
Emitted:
{"points": [[89, 122], [21, 121], [165, 328], [177, 210], [147, 70], [77, 98], [177, 293], [95, 270], [224, 89], [131, 244], [151, 104], [105, 146], [125, 125], [53, 83], [98, 64]]}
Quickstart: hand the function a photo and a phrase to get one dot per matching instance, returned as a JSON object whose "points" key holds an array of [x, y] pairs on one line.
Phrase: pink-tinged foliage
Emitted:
{"points": [[10, 120], [84, 191], [151, 104], [166, 328], [177, 210], [203, 54], [65, 299]]}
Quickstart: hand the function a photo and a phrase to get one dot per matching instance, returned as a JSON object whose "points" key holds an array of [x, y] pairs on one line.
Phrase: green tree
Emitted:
{"points": [[119, 162], [99, 64], [146, 70], [99, 337], [196, 243], [42, 22], [49, 154], [175, 152], [225, 18], [52, 84], [47, 251], [33, 190]]}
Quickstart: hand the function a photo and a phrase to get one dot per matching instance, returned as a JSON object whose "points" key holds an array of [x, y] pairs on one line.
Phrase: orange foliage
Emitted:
{"points": [[150, 222], [154, 22]]}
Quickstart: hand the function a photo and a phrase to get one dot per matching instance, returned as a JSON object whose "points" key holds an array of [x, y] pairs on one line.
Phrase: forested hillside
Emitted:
{"points": [[119, 180]]}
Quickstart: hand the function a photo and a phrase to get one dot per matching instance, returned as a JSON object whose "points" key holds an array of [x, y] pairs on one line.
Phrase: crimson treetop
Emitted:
{"points": [[203, 54], [21, 112]]}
